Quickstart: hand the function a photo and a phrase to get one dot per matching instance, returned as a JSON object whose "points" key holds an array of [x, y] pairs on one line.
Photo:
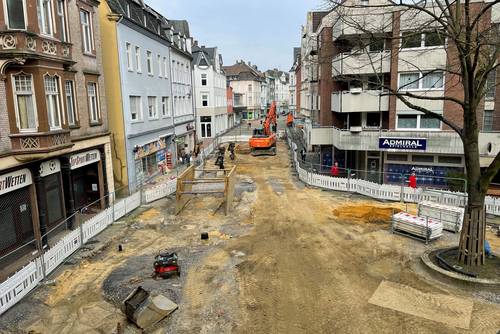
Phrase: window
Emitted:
{"points": [[407, 121], [431, 80], [433, 38], [423, 122], [203, 79], [422, 158], [372, 120], [376, 44], [61, 15], [206, 126], [204, 100], [93, 102], [159, 66], [408, 80], [397, 157], [488, 120], [130, 65], [54, 195], [250, 88], [165, 67], [135, 108], [445, 159], [138, 59], [45, 16], [152, 107], [24, 103], [87, 37], [70, 102], [490, 85], [165, 112], [51, 85], [15, 14], [149, 62], [410, 39], [429, 122]]}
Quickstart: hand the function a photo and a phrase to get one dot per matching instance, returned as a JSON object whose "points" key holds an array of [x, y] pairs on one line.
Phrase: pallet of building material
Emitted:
{"points": [[423, 228], [452, 217]]}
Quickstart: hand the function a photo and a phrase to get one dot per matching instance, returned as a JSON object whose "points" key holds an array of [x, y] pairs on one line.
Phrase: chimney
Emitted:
{"points": [[249, 64], [195, 42]]}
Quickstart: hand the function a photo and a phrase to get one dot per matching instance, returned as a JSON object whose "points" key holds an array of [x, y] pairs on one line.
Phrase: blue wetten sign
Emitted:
{"points": [[390, 143]]}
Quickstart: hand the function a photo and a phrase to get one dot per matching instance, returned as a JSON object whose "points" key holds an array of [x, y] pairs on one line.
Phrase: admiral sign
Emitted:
{"points": [[391, 143]]}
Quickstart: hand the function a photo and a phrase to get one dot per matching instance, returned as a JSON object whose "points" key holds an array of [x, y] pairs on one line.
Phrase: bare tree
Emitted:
{"points": [[464, 32]]}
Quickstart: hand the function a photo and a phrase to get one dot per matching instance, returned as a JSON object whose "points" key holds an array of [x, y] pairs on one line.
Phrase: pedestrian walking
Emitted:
{"points": [[303, 155], [412, 181], [335, 169]]}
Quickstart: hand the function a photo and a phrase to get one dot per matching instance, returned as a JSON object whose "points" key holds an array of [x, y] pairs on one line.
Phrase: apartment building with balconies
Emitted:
{"points": [[248, 87], [55, 152], [210, 92], [362, 126]]}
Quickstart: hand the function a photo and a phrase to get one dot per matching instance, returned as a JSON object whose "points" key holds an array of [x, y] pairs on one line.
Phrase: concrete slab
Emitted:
{"points": [[441, 308]]}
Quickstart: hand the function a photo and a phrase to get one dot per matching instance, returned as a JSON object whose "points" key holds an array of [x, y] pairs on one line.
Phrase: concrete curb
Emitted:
{"points": [[456, 277]]}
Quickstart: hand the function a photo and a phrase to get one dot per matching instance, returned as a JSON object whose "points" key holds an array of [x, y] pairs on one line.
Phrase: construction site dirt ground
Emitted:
{"points": [[288, 259]]}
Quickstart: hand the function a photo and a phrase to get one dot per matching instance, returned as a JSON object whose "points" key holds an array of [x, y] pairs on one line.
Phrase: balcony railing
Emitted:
{"points": [[22, 42], [40, 142], [349, 63], [359, 101]]}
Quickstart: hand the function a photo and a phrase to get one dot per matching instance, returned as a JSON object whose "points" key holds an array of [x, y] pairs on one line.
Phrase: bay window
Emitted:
{"points": [[16, 11], [51, 85], [26, 116], [92, 94]]}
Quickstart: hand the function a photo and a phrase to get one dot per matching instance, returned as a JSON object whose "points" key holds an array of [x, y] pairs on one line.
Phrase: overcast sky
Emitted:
{"points": [[260, 31]]}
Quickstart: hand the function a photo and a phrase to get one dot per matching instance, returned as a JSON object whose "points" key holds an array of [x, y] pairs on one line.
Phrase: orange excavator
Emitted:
{"points": [[263, 141]]}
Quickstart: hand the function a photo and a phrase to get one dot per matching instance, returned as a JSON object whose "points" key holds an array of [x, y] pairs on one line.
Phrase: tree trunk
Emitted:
{"points": [[471, 246]]}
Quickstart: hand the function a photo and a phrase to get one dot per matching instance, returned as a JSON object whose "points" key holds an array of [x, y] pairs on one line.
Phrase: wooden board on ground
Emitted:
{"points": [[449, 310]]}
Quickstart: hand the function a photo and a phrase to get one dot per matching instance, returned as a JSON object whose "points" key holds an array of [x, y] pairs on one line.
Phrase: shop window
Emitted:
{"points": [[16, 226], [16, 14], [397, 157], [85, 24], [92, 93], [150, 165], [85, 185], [135, 108], [422, 158], [70, 102], [52, 100], [488, 120], [152, 107], [26, 116], [206, 126], [54, 198], [45, 17], [444, 159]]}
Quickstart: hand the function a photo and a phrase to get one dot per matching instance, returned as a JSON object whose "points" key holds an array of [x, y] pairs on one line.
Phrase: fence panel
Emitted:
{"points": [[61, 250], [132, 202], [18, 285], [119, 208]]}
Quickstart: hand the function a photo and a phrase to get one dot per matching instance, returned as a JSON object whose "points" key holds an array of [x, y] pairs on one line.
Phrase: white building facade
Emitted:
{"points": [[210, 92]]}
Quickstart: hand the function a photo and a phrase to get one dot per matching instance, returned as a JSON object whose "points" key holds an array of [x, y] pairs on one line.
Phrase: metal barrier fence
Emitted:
{"points": [[351, 182]]}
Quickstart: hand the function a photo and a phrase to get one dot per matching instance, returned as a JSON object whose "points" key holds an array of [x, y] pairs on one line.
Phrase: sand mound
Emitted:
{"points": [[365, 213]]}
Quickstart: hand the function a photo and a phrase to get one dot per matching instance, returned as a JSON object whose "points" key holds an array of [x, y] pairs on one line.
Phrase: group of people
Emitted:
{"points": [[221, 152]]}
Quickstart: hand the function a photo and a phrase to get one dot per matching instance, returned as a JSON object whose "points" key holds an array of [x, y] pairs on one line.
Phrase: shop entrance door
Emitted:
{"points": [[16, 227], [373, 168]]}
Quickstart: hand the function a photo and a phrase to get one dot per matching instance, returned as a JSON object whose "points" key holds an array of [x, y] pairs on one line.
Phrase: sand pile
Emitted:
{"points": [[365, 213]]}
